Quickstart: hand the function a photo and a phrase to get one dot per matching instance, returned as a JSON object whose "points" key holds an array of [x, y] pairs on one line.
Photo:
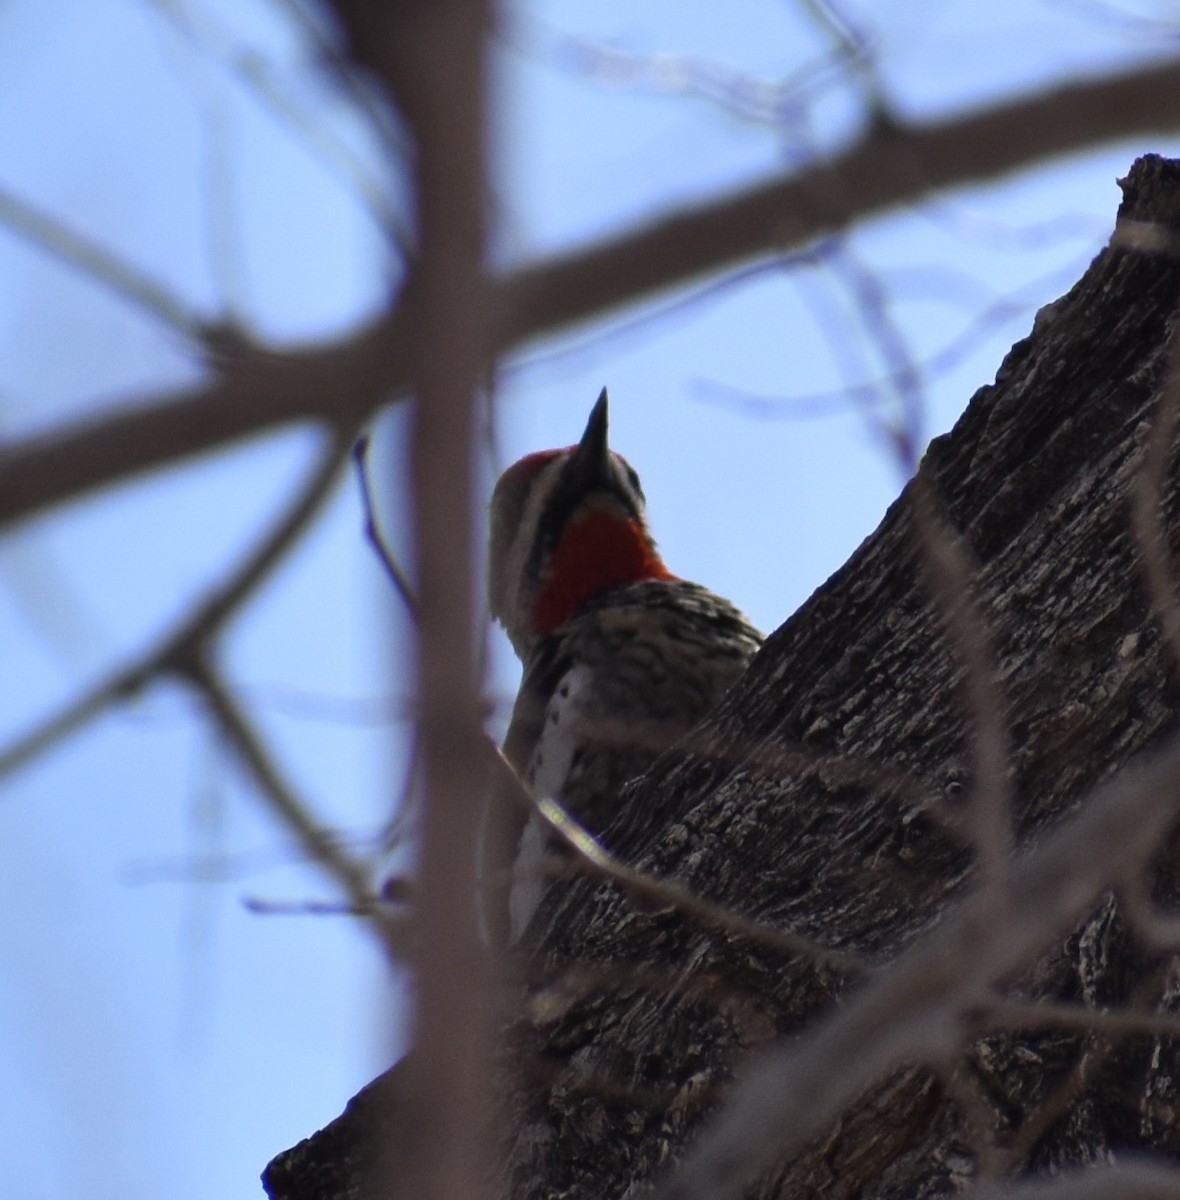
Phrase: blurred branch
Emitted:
{"points": [[1015, 1014], [964, 1089], [193, 635], [865, 392], [381, 547], [369, 100], [951, 574], [253, 390], [430, 55], [99, 265], [902, 434], [952, 578], [918, 1009], [1157, 930], [349, 379], [855, 45], [1128, 1180], [594, 860], [398, 827], [185, 652], [205, 35], [295, 815], [1106, 1032]]}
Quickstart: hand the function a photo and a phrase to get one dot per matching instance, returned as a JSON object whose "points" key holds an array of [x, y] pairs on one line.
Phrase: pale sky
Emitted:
{"points": [[149, 1018]]}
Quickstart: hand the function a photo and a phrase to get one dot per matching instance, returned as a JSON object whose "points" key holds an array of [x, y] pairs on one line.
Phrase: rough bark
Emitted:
{"points": [[822, 797]]}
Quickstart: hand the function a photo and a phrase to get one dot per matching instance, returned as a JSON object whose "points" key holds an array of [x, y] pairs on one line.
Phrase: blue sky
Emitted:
{"points": [[149, 1018]]}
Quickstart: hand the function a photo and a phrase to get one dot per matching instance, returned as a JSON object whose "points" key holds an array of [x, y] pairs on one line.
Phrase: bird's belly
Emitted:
{"points": [[549, 767]]}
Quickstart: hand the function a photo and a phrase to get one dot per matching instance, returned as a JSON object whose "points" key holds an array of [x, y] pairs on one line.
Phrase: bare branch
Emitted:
{"points": [[962, 1086], [1159, 930], [349, 379], [100, 265], [918, 1009], [72, 717], [1131, 1180], [852, 45], [866, 393], [882, 171], [294, 812], [593, 859], [185, 652], [952, 580], [199, 628], [430, 54], [1012, 1014], [218, 44], [1100, 1046], [254, 390], [383, 550], [311, 908]]}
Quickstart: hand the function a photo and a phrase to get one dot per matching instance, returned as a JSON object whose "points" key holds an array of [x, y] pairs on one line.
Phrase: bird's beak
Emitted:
{"points": [[590, 464]]}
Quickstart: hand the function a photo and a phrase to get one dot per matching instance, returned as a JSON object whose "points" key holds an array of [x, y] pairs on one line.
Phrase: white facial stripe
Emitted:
{"points": [[517, 601]]}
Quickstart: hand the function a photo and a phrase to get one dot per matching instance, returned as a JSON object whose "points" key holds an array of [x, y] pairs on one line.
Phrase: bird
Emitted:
{"points": [[620, 657]]}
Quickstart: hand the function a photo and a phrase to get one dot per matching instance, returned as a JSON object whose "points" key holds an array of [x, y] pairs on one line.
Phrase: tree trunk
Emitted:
{"points": [[824, 798]]}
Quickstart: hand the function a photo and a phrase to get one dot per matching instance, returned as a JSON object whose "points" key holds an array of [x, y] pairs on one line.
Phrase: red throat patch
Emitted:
{"points": [[597, 550]]}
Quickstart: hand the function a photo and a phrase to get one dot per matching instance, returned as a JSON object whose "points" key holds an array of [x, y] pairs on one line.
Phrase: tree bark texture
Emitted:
{"points": [[822, 798]]}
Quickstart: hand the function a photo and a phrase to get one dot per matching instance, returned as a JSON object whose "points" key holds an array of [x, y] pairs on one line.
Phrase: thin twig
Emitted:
{"points": [[432, 60], [963, 1089], [73, 716], [199, 628], [854, 47], [368, 100], [219, 45], [1014, 1014], [1127, 1180], [359, 373], [596, 861], [904, 435], [397, 829], [401, 582], [185, 652], [1104, 1039], [100, 265], [313, 908], [952, 580], [867, 394], [917, 1009], [1157, 930], [294, 813]]}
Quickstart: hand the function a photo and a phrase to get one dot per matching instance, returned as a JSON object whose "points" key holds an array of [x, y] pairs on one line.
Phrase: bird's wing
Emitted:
{"points": [[506, 815]]}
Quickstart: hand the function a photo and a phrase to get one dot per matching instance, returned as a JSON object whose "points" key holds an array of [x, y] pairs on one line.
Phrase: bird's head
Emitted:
{"points": [[566, 525]]}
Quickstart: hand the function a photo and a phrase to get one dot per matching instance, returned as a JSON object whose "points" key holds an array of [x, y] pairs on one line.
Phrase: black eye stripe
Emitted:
{"points": [[633, 476], [569, 495]]}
